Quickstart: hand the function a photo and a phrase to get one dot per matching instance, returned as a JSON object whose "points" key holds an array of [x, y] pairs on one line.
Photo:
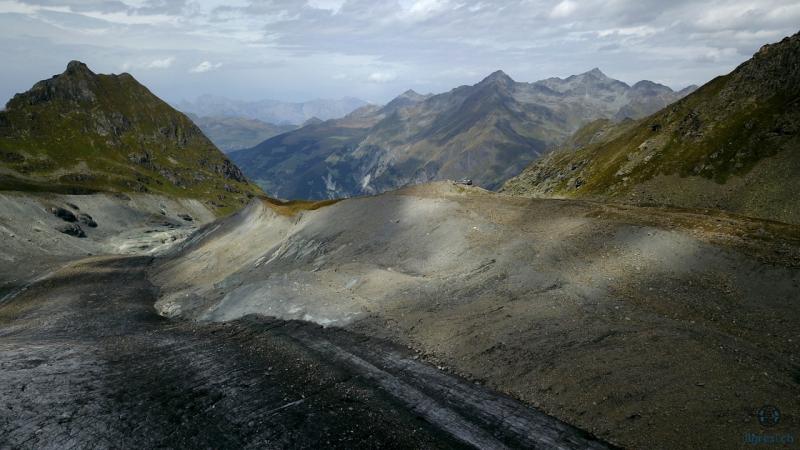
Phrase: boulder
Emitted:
{"points": [[72, 229], [87, 220], [63, 214], [186, 217]]}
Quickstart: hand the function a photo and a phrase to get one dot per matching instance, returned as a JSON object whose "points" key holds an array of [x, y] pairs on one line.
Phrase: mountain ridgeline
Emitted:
{"points": [[271, 111], [487, 132], [734, 144], [80, 132], [236, 133]]}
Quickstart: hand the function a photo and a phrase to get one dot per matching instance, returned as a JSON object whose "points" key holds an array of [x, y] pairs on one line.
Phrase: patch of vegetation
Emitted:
{"points": [[293, 207]]}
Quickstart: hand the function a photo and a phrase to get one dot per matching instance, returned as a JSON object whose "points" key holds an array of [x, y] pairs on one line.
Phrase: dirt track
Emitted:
{"points": [[86, 362]]}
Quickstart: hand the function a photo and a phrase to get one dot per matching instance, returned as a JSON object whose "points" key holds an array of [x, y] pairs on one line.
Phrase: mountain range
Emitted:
{"points": [[487, 132], [80, 132], [270, 111], [732, 145], [236, 133]]}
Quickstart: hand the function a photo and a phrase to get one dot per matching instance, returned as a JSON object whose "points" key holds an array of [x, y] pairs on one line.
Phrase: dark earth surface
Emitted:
{"points": [[86, 362]]}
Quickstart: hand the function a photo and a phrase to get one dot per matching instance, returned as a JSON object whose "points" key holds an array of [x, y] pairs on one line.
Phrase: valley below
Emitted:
{"points": [[452, 317]]}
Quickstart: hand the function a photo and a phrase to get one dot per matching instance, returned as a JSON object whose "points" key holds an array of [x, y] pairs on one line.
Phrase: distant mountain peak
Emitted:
{"points": [[645, 83], [407, 98], [596, 72], [312, 121], [498, 77], [651, 86], [411, 94]]}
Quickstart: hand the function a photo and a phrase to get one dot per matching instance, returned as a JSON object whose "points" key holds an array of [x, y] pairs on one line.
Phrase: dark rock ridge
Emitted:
{"points": [[487, 132]]}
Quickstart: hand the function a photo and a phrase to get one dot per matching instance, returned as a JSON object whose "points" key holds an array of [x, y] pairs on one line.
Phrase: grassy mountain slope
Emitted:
{"points": [[733, 144], [487, 132], [82, 132]]}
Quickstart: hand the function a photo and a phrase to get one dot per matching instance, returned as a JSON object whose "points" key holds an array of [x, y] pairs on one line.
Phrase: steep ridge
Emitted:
{"points": [[487, 132], [627, 322], [79, 132], [733, 144]]}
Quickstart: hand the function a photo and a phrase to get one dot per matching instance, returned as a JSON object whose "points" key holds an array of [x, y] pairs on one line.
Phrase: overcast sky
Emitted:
{"points": [[372, 49]]}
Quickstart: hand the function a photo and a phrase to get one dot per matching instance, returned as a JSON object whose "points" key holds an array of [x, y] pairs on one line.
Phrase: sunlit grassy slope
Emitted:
{"points": [[733, 144]]}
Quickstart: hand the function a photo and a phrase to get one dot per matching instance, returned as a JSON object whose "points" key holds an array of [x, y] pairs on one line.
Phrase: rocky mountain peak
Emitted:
{"points": [[146, 145], [774, 68], [407, 98], [75, 84], [650, 87], [499, 77], [77, 67], [412, 94], [596, 73]]}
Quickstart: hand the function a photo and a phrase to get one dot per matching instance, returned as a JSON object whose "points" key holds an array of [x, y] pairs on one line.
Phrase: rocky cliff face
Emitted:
{"points": [[487, 132], [82, 132], [732, 144]]}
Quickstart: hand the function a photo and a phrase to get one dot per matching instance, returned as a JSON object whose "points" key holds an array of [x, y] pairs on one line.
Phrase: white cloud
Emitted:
{"points": [[205, 66], [381, 77], [640, 31], [154, 64], [300, 49], [164, 63], [328, 5], [422, 9], [563, 9]]}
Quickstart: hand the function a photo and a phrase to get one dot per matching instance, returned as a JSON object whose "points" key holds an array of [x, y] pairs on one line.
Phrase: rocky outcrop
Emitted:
{"points": [[72, 229], [87, 220], [63, 214]]}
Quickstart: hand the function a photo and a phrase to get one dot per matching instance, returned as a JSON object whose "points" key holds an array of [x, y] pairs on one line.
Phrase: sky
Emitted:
{"points": [[297, 50]]}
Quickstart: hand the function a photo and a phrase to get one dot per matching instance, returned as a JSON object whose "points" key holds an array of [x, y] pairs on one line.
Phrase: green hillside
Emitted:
{"points": [[80, 132], [733, 144]]}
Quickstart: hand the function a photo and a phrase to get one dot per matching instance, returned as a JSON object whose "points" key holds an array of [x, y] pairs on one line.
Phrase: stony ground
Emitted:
{"points": [[650, 327], [85, 362]]}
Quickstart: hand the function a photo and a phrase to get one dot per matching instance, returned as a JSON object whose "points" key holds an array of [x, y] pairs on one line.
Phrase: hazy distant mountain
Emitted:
{"points": [[732, 144], [236, 133], [83, 132], [271, 111], [487, 132]]}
